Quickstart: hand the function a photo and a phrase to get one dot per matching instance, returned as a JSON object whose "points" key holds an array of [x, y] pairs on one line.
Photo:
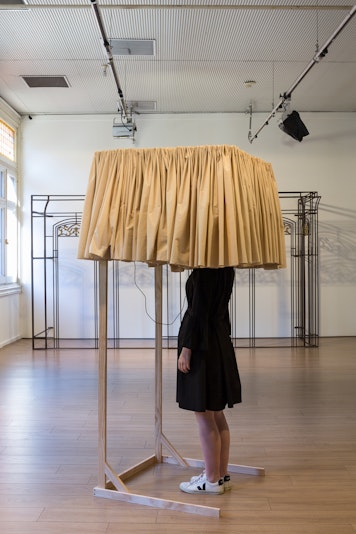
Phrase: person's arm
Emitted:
{"points": [[197, 321]]}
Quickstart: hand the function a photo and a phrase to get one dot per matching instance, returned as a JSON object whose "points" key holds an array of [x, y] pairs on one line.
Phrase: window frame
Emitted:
{"points": [[9, 281], [8, 207]]}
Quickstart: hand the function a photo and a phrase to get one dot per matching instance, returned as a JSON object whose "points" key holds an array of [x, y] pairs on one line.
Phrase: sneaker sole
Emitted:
{"points": [[202, 492], [191, 488]]}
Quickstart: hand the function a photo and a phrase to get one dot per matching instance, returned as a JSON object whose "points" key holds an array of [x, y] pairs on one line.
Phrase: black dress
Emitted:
{"points": [[213, 381]]}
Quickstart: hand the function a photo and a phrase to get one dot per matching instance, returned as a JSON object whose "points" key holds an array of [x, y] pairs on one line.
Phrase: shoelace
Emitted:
{"points": [[201, 478]]}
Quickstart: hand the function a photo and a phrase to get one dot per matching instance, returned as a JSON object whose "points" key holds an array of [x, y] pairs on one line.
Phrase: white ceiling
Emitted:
{"points": [[204, 52]]}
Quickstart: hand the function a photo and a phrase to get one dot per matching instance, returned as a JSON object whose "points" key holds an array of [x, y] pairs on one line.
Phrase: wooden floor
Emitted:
{"points": [[298, 420]]}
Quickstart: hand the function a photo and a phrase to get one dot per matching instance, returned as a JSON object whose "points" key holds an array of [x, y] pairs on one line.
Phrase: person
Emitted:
{"points": [[207, 374]]}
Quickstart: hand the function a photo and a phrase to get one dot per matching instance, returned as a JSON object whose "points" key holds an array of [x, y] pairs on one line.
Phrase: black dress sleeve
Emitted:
{"points": [[196, 327]]}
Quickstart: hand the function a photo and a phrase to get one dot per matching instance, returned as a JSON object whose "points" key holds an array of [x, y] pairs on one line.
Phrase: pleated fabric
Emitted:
{"points": [[189, 207]]}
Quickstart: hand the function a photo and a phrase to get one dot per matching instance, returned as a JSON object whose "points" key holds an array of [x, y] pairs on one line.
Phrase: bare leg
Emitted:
{"points": [[224, 432], [210, 442]]}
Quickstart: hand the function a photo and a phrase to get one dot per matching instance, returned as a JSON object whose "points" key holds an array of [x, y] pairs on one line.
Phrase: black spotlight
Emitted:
{"points": [[293, 125]]}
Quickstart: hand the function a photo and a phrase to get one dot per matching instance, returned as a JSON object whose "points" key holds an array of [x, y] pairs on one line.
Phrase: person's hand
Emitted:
{"points": [[184, 360]]}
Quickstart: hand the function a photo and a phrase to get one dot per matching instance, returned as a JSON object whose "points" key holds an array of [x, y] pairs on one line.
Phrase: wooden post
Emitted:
{"points": [[158, 363], [102, 384]]}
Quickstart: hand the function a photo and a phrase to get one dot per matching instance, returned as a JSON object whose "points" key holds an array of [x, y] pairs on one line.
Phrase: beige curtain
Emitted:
{"points": [[205, 206]]}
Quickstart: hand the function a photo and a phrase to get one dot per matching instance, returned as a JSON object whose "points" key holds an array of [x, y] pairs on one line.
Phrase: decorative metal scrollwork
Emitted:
{"points": [[287, 227], [68, 230]]}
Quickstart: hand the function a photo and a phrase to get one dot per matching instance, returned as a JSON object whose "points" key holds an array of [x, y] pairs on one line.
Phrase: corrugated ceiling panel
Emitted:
{"points": [[319, 89], [141, 80], [202, 55], [205, 35], [239, 35], [122, 24], [50, 34], [87, 87], [280, 4], [207, 86]]}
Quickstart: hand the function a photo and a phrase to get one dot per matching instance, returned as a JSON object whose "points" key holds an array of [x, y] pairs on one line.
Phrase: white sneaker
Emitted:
{"points": [[227, 481], [201, 484]]}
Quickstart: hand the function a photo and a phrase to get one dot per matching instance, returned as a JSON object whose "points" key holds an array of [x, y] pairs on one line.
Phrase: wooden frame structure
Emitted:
{"points": [[110, 484]]}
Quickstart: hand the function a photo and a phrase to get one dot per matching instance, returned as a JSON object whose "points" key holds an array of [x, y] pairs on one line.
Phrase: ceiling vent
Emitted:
{"points": [[142, 106], [12, 3], [46, 81], [132, 47]]}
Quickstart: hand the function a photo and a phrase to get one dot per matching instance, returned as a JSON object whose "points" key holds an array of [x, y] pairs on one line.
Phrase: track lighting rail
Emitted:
{"points": [[107, 46], [318, 56]]}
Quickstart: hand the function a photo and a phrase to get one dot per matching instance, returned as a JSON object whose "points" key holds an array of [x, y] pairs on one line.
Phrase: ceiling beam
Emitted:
{"points": [[208, 7]]}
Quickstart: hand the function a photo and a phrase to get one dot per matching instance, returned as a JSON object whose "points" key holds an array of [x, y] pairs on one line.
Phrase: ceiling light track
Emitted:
{"points": [[318, 56], [107, 46]]}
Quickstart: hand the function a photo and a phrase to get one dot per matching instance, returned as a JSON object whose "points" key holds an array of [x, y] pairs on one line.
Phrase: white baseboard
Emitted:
{"points": [[9, 341]]}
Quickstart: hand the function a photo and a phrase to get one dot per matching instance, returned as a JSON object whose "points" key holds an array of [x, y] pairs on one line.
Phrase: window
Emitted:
{"points": [[8, 207], [7, 141]]}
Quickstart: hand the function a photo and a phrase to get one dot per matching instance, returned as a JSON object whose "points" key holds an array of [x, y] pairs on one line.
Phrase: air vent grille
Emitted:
{"points": [[46, 81], [142, 105], [12, 3], [132, 47]]}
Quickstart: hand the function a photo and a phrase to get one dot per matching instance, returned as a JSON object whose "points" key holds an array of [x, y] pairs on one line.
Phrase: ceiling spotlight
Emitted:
{"points": [[249, 83], [292, 124]]}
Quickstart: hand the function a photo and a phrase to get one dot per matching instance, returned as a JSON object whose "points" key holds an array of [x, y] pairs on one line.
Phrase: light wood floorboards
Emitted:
{"points": [[297, 419]]}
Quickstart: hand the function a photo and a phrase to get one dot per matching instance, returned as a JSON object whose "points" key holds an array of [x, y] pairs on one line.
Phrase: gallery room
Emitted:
{"points": [[177, 237]]}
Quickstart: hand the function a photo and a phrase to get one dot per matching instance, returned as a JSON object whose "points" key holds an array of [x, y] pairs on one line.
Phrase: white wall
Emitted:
{"points": [[57, 154], [10, 318]]}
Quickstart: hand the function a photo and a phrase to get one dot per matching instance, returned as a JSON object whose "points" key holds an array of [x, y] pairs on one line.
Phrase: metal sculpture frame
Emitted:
{"points": [[51, 215]]}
